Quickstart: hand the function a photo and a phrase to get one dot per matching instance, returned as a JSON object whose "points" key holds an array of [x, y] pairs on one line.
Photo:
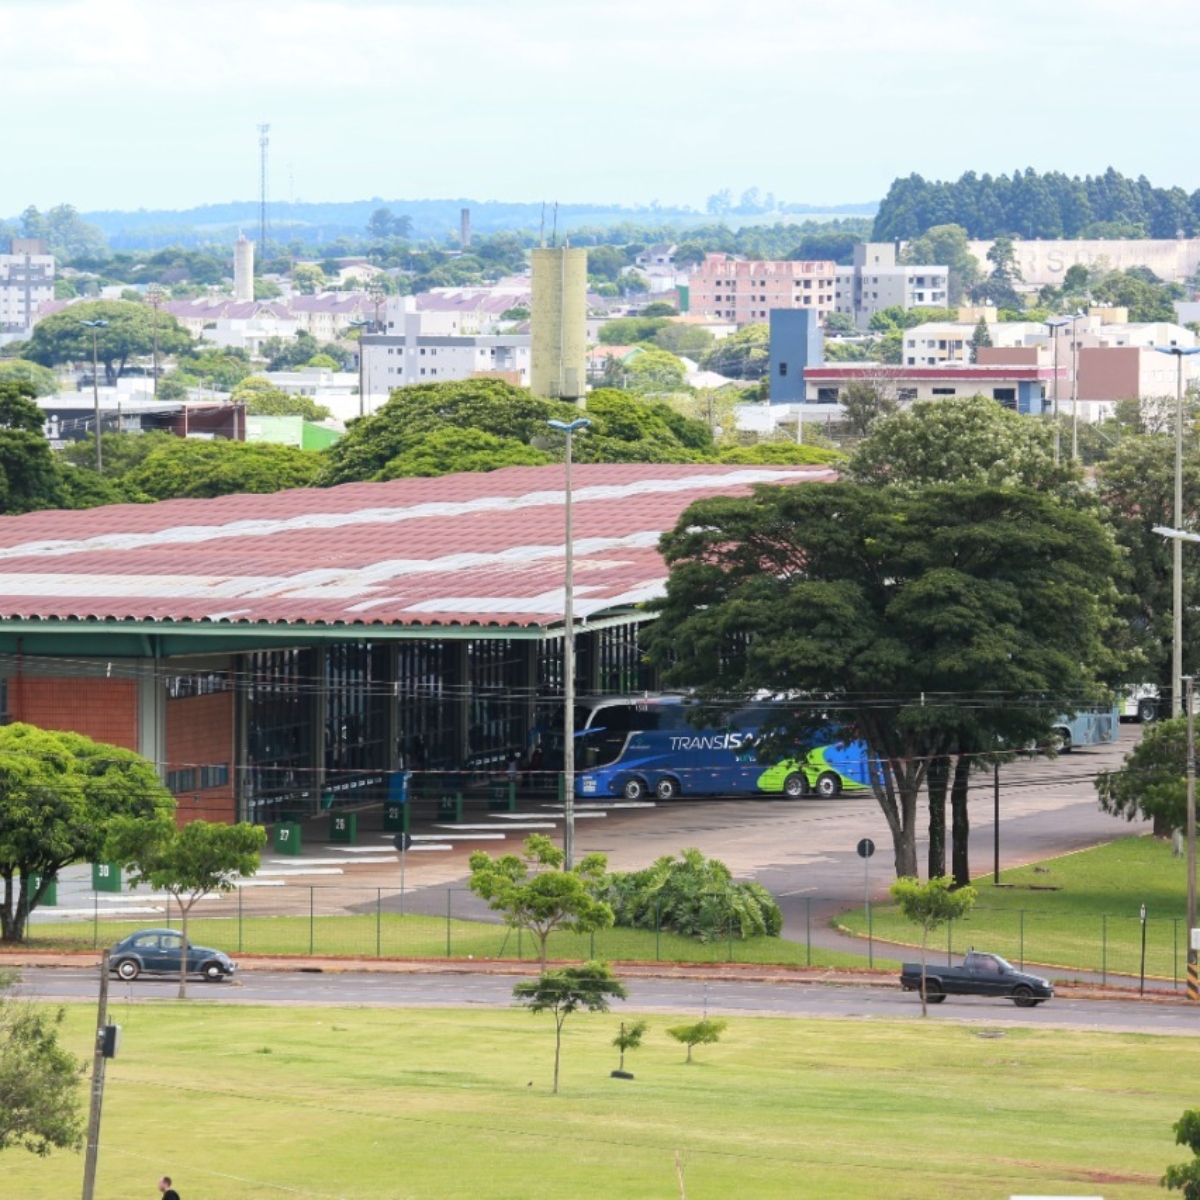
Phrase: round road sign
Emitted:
{"points": [[866, 848]]}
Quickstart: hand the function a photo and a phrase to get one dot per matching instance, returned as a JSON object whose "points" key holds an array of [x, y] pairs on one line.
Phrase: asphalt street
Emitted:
{"points": [[716, 997]]}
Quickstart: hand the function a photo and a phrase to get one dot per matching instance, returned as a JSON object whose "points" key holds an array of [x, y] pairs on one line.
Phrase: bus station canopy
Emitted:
{"points": [[455, 556]]}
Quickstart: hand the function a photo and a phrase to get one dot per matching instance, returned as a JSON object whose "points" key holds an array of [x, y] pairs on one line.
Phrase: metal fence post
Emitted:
{"points": [[731, 941], [808, 931], [1175, 953], [950, 943], [1104, 948], [379, 922], [95, 920], [658, 929], [449, 902], [592, 947], [311, 917], [1022, 945]]}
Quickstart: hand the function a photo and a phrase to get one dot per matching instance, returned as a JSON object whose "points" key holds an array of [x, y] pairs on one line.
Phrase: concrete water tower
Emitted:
{"points": [[558, 341], [243, 269]]}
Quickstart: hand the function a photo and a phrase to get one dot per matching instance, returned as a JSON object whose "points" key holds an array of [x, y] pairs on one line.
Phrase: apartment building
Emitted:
{"points": [[876, 281], [745, 291], [26, 281]]}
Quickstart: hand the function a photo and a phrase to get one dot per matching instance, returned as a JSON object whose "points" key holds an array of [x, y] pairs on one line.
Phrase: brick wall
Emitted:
{"points": [[200, 734], [103, 709]]}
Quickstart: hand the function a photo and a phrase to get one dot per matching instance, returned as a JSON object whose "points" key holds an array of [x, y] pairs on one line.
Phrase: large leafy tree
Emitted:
{"points": [[130, 332], [537, 893], [911, 621], [448, 451], [1151, 783], [184, 467], [188, 863], [39, 1079], [29, 476], [946, 245], [1136, 484], [741, 355], [60, 793]]}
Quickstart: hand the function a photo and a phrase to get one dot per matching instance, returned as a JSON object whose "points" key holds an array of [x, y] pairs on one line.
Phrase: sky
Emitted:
{"points": [[126, 104]]}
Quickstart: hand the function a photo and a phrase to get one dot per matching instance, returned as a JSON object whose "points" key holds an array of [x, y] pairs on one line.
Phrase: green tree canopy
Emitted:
{"points": [[781, 453], [62, 793], [655, 371], [39, 1079], [875, 601], [538, 894], [23, 370], [629, 331], [566, 991], [263, 399], [450, 450], [195, 469], [1151, 782], [741, 355], [946, 246], [705, 1032], [60, 338], [29, 476], [930, 905], [678, 337]]}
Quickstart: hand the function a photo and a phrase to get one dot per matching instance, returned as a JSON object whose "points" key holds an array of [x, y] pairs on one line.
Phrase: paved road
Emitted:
{"points": [[718, 997]]}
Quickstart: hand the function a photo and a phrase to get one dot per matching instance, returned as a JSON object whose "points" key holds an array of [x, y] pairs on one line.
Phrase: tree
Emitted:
{"points": [[308, 278], [21, 370], [630, 1038], [567, 990], [839, 323], [967, 439], [185, 467], [946, 246], [452, 450], [263, 399], [66, 234], [129, 333], [876, 600], [660, 308], [694, 897], [39, 1080], [1150, 783], [979, 339], [538, 894], [1185, 1177], [867, 401], [702, 1033], [999, 288], [29, 476], [784, 453], [61, 793], [692, 341], [930, 905], [188, 863], [629, 331], [655, 371], [741, 355]]}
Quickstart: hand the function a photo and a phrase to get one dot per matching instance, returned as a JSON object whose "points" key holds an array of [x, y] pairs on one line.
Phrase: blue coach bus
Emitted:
{"points": [[635, 748]]}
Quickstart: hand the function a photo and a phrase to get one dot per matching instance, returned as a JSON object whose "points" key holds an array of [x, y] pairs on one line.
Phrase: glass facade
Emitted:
{"points": [[356, 699], [279, 733]]}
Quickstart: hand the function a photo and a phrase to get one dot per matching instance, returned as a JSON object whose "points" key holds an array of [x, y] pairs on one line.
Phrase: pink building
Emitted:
{"points": [[744, 291]]}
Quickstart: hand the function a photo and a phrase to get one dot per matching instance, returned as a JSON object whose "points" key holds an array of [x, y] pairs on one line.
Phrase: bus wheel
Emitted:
{"points": [[667, 789], [795, 785], [829, 786], [1147, 711], [634, 789]]}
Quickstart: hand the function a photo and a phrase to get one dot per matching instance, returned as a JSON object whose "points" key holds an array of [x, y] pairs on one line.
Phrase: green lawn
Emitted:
{"points": [[1080, 911], [386, 1104], [389, 935]]}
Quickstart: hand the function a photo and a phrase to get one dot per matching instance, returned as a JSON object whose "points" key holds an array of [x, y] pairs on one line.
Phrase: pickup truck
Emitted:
{"points": [[980, 975]]}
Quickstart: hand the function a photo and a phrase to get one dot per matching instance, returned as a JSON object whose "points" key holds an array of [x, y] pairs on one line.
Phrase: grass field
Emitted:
{"points": [[392, 936], [376, 1104], [1078, 911]]}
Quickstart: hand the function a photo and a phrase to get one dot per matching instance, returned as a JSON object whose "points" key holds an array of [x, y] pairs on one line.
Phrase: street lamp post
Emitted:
{"points": [[95, 327], [1193, 951], [569, 428], [1075, 388], [1054, 325], [1177, 559], [361, 326], [155, 295]]}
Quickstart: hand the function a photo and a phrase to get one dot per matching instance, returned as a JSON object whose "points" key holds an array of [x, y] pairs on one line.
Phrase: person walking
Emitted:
{"points": [[168, 1192]]}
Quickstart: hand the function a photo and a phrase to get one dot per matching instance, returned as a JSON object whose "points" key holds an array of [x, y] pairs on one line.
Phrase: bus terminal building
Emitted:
{"points": [[269, 653]]}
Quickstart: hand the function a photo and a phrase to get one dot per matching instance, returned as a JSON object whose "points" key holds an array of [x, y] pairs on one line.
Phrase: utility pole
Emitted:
{"points": [[1193, 952], [99, 1059], [264, 141]]}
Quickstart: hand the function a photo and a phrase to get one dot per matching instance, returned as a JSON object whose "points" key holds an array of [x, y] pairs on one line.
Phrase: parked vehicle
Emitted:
{"points": [[980, 975], [1088, 727], [1141, 702], [159, 952]]}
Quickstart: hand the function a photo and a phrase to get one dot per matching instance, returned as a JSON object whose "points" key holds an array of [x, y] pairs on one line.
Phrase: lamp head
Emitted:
{"points": [[570, 426]]}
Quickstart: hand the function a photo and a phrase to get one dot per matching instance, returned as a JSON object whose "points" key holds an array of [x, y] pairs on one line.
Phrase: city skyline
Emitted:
{"points": [[132, 104]]}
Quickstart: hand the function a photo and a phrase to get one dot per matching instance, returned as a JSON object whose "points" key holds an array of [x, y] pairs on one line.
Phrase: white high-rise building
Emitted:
{"points": [[26, 280]]}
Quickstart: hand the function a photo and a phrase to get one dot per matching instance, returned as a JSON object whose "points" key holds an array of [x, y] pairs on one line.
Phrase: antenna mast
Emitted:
{"points": [[264, 140]]}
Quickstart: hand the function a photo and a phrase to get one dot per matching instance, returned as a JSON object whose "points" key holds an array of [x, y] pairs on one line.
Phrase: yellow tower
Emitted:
{"points": [[558, 342]]}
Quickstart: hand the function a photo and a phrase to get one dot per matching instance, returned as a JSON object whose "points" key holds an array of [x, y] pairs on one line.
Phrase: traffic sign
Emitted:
{"points": [[866, 848], [402, 841]]}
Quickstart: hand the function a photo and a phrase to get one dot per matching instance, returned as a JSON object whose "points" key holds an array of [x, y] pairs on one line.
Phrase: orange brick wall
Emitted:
{"points": [[200, 733], [103, 709]]}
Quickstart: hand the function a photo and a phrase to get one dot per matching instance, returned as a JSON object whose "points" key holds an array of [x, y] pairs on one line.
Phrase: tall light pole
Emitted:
{"points": [[1054, 325], [1193, 952], [155, 295], [95, 327], [361, 326], [1177, 559], [569, 428]]}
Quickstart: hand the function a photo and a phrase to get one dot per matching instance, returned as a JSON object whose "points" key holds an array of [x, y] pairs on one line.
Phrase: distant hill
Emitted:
{"points": [[322, 223]]}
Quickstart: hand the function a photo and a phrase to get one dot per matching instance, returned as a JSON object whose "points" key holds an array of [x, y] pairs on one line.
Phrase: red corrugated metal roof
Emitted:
{"points": [[460, 549]]}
